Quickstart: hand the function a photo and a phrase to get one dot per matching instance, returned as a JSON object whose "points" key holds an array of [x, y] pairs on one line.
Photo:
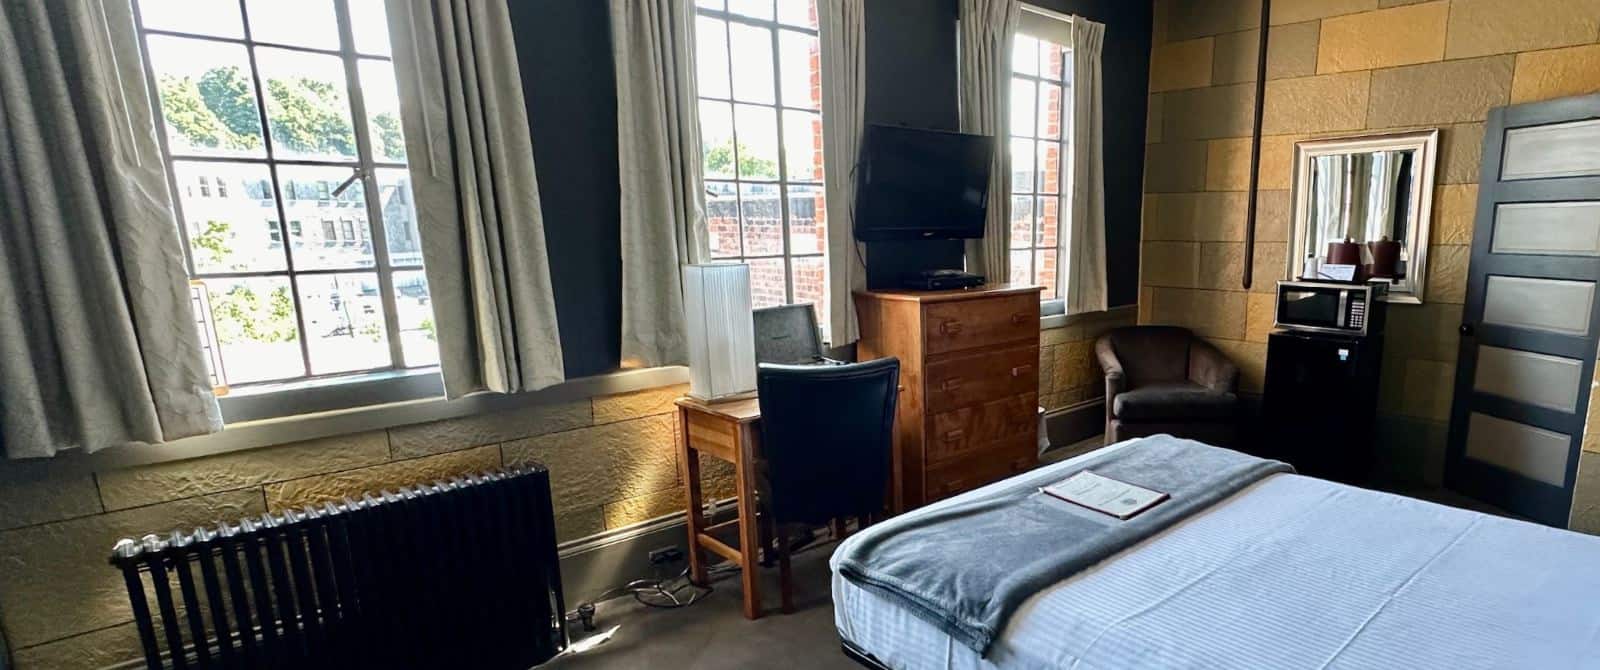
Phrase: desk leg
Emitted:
{"points": [[749, 526], [689, 469]]}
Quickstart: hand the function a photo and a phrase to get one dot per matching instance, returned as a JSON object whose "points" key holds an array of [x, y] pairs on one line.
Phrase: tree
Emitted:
{"points": [[226, 92], [187, 113], [719, 160], [391, 140], [309, 116], [214, 240], [240, 316]]}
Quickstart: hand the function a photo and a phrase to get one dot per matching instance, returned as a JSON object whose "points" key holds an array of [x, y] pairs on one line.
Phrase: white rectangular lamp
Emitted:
{"points": [[722, 351]]}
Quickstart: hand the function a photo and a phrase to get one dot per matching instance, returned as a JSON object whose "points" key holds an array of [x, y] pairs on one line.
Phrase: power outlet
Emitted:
{"points": [[666, 555]]}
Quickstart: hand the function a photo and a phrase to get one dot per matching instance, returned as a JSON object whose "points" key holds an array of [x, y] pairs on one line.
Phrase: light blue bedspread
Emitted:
{"points": [[966, 567]]}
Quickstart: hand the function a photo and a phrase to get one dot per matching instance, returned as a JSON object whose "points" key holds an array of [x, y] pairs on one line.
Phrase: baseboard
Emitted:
{"points": [[1075, 423]]}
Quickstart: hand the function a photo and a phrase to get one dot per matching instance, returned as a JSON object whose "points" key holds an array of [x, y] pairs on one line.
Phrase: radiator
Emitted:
{"points": [[461, 573]]}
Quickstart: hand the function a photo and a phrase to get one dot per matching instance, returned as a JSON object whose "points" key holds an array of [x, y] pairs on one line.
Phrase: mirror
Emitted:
{"points": [[1365, 201]]}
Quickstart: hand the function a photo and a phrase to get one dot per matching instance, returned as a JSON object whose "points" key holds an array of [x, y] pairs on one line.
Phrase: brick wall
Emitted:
{"points": [[1336, 67], [1068, 371]]}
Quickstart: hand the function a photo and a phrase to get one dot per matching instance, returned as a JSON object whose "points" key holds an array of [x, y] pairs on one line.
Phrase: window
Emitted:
{"points": [[283, 112], [1041, 95], [759, 72]]}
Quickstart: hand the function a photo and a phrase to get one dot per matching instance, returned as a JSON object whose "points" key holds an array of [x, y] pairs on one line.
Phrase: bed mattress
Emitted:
{"points": [[1292, 572]]}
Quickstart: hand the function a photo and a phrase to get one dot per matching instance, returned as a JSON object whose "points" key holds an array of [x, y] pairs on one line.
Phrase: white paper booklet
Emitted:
{"points": [[1105, 495]]}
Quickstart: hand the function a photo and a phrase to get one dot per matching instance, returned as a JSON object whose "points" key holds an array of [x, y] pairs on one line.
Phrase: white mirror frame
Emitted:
{"points": [[1426, 144]]}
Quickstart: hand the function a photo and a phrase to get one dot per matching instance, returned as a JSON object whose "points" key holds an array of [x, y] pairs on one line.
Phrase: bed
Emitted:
{"points": [[1291, 572]]}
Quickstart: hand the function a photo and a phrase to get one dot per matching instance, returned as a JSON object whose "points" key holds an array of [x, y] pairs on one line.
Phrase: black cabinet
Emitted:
{"points": [[1320, 404]]}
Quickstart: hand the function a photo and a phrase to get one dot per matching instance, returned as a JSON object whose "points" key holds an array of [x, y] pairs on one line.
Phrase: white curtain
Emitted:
{"points": [[1083, 247], [98, 345], [663, 196], [988, 28], [1383, 193], [476, 195], [844, 81]]}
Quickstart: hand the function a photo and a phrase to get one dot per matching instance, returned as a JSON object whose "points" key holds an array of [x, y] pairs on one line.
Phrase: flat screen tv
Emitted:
{"points": [[916, 184]]}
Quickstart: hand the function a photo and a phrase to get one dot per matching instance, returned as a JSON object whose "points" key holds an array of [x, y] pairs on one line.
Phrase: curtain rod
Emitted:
{"points": [[1048, 13]]}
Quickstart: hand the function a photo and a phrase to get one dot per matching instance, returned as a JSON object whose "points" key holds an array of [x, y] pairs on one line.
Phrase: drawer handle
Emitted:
{"points": [[1021, 370], [1019, 318], [953, 436], [950, 327], [951, 384]]}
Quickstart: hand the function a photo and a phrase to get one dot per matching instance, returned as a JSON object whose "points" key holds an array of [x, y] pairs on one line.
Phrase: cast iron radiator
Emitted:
{"points": [[461, 573]]}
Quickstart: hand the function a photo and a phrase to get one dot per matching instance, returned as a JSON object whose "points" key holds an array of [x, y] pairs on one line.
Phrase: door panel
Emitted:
{"points": [[1530, 319]]}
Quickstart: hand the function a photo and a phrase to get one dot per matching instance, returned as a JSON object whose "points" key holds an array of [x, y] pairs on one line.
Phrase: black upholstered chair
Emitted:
{"points": [[1163, 379], [826, 432]]}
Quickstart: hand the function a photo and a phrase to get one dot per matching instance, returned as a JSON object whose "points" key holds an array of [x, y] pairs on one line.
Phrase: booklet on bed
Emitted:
{"points": [[1105, 495]]}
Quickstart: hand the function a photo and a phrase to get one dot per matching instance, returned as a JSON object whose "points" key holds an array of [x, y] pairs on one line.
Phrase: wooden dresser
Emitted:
{"points": [[969, 367]]}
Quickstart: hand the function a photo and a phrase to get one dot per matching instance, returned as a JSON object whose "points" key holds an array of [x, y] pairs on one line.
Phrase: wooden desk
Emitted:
{"points": [[730, 431]]}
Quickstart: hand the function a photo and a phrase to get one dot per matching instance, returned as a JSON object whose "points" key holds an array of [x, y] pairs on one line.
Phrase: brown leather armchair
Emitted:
{"points": [[1163, 379]]}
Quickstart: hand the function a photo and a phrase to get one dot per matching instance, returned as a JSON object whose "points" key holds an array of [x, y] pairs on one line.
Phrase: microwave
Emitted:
{"points": [[1331, 307]]}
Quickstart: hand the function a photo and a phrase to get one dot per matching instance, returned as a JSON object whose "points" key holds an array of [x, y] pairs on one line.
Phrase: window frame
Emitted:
{"points": [[784, 182], [309, 392], [1046, 25]]}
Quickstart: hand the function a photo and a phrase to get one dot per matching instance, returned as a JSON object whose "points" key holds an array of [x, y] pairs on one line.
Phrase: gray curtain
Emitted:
{"points": [[663, 197], [476, 195], [1082, 279], [98, 345], [988, 28], [843, 36]]}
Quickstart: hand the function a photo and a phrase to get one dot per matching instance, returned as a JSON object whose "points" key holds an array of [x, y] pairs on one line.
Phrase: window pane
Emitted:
{"points": [[802, 145], [801, 13], [187, 16], [761, 9], [344, 322], [751, 50], [302, 23], [1049, 168], [1025, 55], [419, 341], [808, 217], [207, 98], [801, 72], [1021, 166], [1045, 274], [230, 215], [716, 139], [308, 196], [1052, 58], [1021, 222], [383, 110], [1049, 111], [1049, 222], [399, 217], [370, 25], [762, 220], [722, 218], [767, 287], [256, 328], [711, 57], [1022, 107], [307, 107], [1022, 267], [810, 284], [758, 141], [709, 4]]}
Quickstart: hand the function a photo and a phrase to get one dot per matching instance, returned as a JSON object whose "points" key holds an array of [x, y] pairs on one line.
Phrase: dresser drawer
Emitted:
{"points": [[994, 462], [970, 324], [957, 432], [969, 380]]}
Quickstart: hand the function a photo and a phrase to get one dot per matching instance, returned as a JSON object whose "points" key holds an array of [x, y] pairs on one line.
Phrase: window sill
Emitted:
{"points": [[275, 401], [1060, 319]]}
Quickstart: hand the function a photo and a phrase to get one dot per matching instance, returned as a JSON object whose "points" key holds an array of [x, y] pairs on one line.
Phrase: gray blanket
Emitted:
{"points": [[966, 567]]}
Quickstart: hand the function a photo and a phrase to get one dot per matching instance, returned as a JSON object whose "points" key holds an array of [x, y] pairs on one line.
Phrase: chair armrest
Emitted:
{"points": [[1116, 382], [1209, 368]]}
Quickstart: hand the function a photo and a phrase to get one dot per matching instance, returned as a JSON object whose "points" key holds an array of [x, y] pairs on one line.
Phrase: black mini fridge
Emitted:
{"points": [[1320, 403]]}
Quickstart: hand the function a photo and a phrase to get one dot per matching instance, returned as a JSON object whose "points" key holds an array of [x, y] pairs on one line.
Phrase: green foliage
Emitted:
{"points": [[427, 327], [241, 316], [719, 160], [226, 92], [188, 113], [214, 240], [309, 116], [391, 141]]}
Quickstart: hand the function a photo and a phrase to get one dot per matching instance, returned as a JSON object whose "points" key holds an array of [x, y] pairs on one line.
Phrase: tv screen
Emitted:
{"points": [[921, 184]]}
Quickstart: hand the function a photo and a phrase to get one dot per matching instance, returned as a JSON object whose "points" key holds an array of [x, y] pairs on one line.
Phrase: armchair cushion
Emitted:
{"points": [[1174, 402]]}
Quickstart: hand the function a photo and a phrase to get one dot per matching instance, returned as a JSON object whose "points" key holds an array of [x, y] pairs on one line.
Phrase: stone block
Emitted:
{"points": [[1207, 113], [1250, 357], [1447, 273], [1461, 153], [1454, 207], [1170, 264], [1296, 11], [46, 499], [1202, 217], [1228, 164], [1384, 38], [1273, 213], [575, 523], [1268, 266], [1399, 3], [1146, 304], [1174, 167], [111, 647], [716, 479], [1292, 52], [1429, 331], [491, 428], [1543, 75], [1591, 421], [1258, 318], [594, 466], [1179, 65], [1320, 104], [1221, 265], [318, 489], [55, 582], [1459, 91], [1050, 337], [1076, 366], [1219, 314], [649, 402], [1585, 516], [1486, 27], [1188, 19], [644, 508], [1429, 386], [133, 487], [1152, 119]]}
